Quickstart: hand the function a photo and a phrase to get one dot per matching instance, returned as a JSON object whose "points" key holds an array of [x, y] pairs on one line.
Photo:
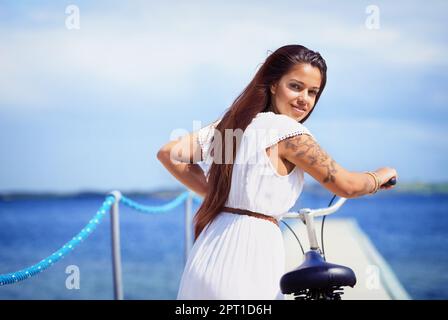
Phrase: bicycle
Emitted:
{"points": [[315, 278]]}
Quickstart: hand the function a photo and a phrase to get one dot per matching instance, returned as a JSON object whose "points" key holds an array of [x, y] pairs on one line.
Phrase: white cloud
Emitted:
{"points": [[152, 49]]}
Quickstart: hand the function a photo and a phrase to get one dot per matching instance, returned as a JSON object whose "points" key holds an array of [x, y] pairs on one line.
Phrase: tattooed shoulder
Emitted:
{"points": [[304, 149]]}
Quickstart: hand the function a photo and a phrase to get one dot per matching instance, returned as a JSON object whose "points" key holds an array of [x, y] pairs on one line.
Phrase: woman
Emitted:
{"points": [[238, 251]]}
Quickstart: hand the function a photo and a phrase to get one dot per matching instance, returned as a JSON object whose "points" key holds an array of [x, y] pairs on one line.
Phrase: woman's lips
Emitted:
{"points": [[298, 109]]}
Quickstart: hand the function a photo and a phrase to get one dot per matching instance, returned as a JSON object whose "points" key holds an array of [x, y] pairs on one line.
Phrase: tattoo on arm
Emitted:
{"points": [[306, 148]]}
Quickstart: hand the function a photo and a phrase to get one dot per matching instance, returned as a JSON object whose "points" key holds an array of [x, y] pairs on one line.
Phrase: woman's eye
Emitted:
{"points": [[295, 86]]}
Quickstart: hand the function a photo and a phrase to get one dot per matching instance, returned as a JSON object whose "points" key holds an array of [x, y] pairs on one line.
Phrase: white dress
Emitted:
{"points": [[239, 256]]}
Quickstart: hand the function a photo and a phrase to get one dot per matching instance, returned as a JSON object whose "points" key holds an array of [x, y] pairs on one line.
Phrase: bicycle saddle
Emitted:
{"points": [[315, 273]]}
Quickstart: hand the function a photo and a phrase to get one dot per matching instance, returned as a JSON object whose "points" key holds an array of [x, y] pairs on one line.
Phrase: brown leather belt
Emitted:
{"points": [[251, 213]]}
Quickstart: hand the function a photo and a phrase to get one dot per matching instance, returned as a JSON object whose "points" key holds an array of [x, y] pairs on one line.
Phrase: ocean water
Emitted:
{"points": [[409, 230]]}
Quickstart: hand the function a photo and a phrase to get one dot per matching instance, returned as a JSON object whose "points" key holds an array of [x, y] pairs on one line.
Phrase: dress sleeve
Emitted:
{"points": [[282, 127], [204, 138]]}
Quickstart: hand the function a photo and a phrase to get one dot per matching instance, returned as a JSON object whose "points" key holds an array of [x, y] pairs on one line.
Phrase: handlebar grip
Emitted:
{"points": [[391, 182]]}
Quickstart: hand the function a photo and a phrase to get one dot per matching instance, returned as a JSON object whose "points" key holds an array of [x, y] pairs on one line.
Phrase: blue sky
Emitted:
{"points": [[88, 108]]}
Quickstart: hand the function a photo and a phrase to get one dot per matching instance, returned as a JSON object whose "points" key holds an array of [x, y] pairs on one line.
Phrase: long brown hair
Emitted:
{"points": [[255, 98]]}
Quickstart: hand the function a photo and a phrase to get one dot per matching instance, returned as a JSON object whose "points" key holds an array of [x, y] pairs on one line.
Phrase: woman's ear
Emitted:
{"points": [[273, 88]]}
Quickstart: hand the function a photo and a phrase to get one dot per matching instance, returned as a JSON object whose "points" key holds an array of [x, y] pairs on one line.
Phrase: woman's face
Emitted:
{"points": [[295, 93]]}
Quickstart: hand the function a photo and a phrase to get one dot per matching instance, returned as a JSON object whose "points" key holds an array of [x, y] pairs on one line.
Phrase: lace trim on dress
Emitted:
{"points": [[289, 135]]}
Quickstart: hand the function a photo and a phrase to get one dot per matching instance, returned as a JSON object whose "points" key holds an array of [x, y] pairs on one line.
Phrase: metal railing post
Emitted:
{"points": [[116, 254], [188, 223]]}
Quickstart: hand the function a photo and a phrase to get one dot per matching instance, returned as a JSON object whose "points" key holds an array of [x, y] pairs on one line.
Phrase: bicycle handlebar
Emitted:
{"points": [[391, 182], [329, 210], [307, 216], [316, 212]]}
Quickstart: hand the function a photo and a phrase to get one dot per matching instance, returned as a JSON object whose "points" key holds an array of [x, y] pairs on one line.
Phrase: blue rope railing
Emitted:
{"points": [[155, 209], [49, 261]]}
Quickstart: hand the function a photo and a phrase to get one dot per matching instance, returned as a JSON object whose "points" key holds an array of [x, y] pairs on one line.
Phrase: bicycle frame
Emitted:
{"points": [[307, 216], [315, 278]]}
